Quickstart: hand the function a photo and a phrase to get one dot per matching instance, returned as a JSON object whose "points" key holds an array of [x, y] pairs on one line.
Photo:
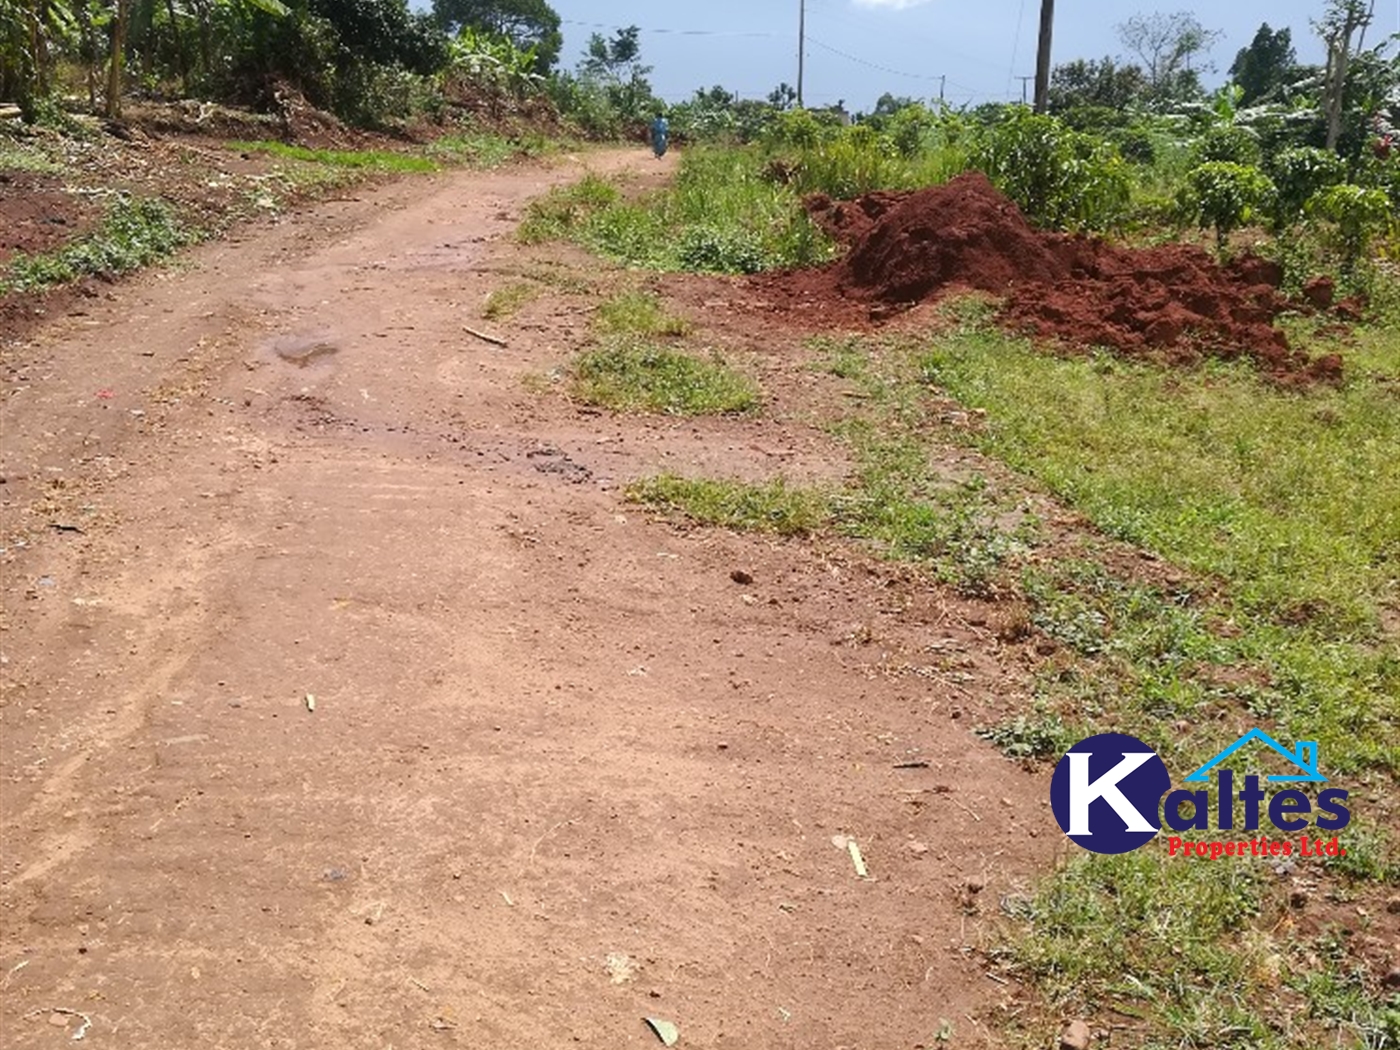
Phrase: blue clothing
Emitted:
{"points": [[660, 136]]}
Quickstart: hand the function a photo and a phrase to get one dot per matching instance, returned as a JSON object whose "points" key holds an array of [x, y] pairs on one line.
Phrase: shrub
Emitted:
{"points": [[1226, 196], [1228, 143], [1061, 179], [1299, 174], [1358, 215]]}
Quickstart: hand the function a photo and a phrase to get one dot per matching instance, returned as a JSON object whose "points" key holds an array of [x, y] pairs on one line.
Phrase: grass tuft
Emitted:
{"points": [[506, 302], [370, 160], [774, 506], [629, 376], [638, 313]]}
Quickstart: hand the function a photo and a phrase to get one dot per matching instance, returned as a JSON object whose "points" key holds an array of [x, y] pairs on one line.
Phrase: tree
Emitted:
{"points": [[1105, 84], [1266, 66], [1226, 196], [611, 59], [1341, 21], [617, 64], [783, 97], [1168, 46], [525, 23]]}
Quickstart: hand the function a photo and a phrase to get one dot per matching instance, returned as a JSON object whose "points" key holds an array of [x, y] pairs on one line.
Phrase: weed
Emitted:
{"points": [[774, 506], [481, 149], [630, 376], [1041, 734], [370, 160], [133, 234], [638, 313], [506, 302], [14, 157], [563, 211], [719, 216]]}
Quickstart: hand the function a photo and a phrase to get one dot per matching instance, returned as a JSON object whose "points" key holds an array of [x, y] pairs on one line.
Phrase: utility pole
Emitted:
{"points": [[942, 84], [801, 47], [1025, 96], [1042, 59]]}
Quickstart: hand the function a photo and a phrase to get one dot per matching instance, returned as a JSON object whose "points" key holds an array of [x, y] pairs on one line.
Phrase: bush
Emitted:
{"points": [[1228, 143], [1226, 196], [1358, 215], [1060, 178], [709, 249], [1299, 174]]}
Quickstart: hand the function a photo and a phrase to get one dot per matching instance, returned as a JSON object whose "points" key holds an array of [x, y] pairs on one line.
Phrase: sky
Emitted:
{"points": [[859, 49]]}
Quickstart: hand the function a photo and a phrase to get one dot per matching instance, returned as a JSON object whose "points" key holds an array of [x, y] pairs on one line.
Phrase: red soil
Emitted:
{"points": [[1172, 301]]}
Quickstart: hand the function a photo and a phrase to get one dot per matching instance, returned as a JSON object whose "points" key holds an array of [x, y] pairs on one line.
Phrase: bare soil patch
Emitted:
{"points": [[562, 771]]}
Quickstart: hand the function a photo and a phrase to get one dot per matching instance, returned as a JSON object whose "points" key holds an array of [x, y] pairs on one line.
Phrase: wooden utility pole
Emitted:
{"points": [[801, 47], [1025, 95], [1042, 59]]}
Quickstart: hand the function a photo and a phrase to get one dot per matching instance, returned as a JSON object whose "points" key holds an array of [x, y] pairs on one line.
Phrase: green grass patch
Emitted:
{"points": [[134, 233], [506, 302], [14, 157], [638, 313], [366, 160], [1292, 499], [773, 506], [485, 150], [720, 216], [630, 376]]}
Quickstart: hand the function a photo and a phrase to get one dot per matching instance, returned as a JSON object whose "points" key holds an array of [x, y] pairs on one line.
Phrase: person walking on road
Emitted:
{"points": [[660, 135]]}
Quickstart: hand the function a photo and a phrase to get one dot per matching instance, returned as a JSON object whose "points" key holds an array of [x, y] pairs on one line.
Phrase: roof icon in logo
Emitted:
{"points": [[1304, 756]]}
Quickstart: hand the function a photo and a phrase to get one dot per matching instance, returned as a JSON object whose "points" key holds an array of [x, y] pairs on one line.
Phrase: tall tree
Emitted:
{"points": [[1342, 20], [1266, 65], [617, 64], [1104, 83], [1168, 45], [526, 23]]}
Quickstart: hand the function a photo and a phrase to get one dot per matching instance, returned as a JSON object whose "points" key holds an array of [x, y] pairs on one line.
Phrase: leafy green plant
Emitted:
{"points": [[134, 233], [1299, 174], [1358, 215], [1229, 143], [1061, 179], [1226, 196]]}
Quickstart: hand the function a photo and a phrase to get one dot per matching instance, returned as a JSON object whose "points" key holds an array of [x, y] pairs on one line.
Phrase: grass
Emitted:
{"points": [[14, 157], [631, 376], [506, 302], [486, 150], [364, 160], [134, 233], [774, 506], [638, 313], [1291, 500], [1281, 507], [720, 216]]}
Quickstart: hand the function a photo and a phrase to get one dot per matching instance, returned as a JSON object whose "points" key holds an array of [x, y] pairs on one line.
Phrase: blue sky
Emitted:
{"points": [[749, 46]]}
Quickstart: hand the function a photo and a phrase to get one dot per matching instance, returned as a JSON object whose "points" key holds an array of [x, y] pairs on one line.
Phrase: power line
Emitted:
{"points": [[674, 32], [871, 65]]}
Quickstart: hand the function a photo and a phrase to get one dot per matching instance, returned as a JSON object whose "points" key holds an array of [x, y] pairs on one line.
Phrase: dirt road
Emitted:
{"points": [[562, 771]]}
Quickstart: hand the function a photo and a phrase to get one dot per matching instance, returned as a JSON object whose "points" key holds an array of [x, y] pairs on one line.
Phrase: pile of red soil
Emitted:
{"points": [[1173, 301]]}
